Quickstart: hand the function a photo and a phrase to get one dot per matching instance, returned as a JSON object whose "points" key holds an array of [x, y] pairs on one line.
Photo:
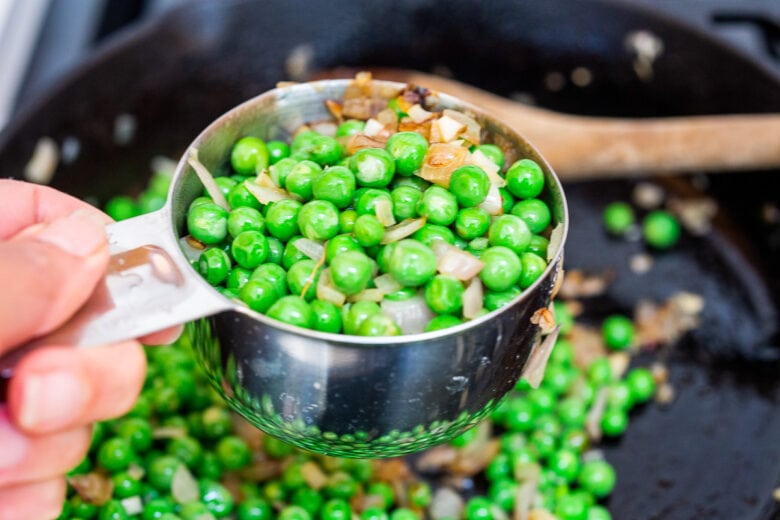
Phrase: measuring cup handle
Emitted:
{"points": [[148, 287]]}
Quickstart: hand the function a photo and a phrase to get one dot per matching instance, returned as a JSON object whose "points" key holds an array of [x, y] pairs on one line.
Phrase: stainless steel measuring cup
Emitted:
{"points": [[341, 395]]}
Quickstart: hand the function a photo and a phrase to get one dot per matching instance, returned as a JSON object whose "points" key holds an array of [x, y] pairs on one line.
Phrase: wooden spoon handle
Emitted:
{"points": [[580, 147]]}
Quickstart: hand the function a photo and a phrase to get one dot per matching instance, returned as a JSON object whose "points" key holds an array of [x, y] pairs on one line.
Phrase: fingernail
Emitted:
{"points": [[50, 400], [14, 444], [81, 233]]}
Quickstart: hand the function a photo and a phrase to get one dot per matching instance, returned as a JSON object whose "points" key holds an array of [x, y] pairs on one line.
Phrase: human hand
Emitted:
{"points": [[53, 251]]}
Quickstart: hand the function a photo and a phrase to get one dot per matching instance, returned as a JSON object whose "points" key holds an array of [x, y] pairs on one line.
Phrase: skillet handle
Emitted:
{"points": [[148, 287]]}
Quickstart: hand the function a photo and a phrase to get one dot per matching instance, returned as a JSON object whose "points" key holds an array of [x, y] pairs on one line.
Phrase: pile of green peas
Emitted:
{"points": [[249, 250]]}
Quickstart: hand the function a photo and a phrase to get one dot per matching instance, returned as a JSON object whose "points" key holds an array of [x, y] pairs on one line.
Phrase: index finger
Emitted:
{"points": [[24, 204]]}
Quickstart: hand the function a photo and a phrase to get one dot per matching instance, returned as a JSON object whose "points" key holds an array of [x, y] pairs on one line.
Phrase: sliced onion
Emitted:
{"points": [[184, 487], [267, 194], [266, 181], [440, 161], [556, 238], [388, 117], [310, 248], [446, 503], [493, 203], [387, 284], [472, 299], [446, 129], [411, 315], [324, 128], [472, 129], [327, 292], [453, 261], [368, 295], [207, 179], [384, 212], [537, 362], [191, 248], [373, 127], [313, 475], [596, 412], [478, 158], [402, 230], [419, 114], [133, 505]]}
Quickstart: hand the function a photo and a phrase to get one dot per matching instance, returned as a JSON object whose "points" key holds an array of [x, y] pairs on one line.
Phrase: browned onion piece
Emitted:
{"points": [[471, 131], [440, 161], [446, 129]]}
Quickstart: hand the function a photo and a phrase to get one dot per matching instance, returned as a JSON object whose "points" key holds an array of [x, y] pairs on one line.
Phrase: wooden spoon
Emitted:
{"points": [[582, 147]]}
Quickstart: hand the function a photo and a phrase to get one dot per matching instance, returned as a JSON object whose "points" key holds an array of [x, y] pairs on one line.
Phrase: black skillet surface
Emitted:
{"points": [[714, 453]]}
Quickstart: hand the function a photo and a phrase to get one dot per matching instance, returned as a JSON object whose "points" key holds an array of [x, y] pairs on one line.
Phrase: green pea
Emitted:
{"points": [[224, 184], [243, 219], [217, 498], [534, 212], [207, 223], [502, 268], [525, 179], [597, 512], [444, 294], [597, 477], [471, 223], [336, 185], [502, 493], [233, 452], [438, 205], [277, 150], [249, 155], [614, 422], [383, 491], [121, 208], [214, 265], [239, 197], [430, 232], [641, 383], [533, 267], [494, 153], [281, 170], [209, 467], [619, 395], [368, 230], [327, 317], [347, 220], [292, 254], [336, 509], [660, 229], [282, 219], [319, 220], [443, 321], [510, 231], [408, 149], [326, 150], [618, 217], [374, 513], [571, 507], [254, 509], [373, 167], [341, 244], [618, 332], [350, 127], [300, 180], [478, 508], [113, 510], [538, 246], [403, 513], [355, 314], [572, 412], [495, 300], [351, 271], [405, 200], [304, 275], [292, 310], [125, 486], [365, 200], [303, 142], [237, 278], [470, 185], [161, 470], [507, 200], [378, 325], [250, 249], [309, 499], [273, 274], [412, 263], [187, 449], [115, 454], [414, 181], [137, 432]]}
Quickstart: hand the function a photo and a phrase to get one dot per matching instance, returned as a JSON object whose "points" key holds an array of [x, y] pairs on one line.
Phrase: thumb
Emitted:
{"points": [[47, 272]]}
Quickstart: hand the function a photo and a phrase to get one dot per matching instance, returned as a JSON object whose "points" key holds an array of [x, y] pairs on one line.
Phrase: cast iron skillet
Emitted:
{"points": [[714, 453]]}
